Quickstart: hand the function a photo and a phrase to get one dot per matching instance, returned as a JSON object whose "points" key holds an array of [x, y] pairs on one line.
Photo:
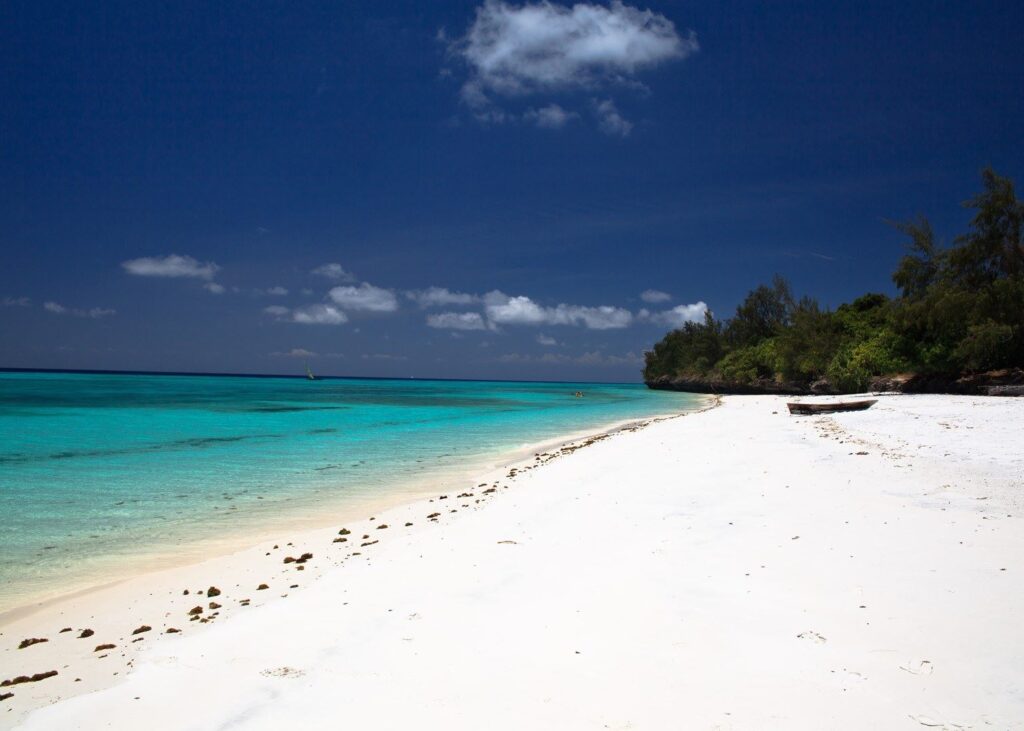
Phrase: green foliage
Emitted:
{"points": [[993, 248], [857, 362], [919, 268], [764, 313], [806, 347], [750, 364], [691, 350], [959, 309], [969, 315]]}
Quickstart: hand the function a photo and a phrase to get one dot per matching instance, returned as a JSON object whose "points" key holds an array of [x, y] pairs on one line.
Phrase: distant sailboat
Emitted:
{"points": [[309, 373]]}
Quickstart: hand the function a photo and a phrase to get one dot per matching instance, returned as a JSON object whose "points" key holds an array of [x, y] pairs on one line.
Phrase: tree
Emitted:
{"points": [[993, 248], [963, 309], [763, 314], [692, 350], [918, 270], [960, 309]]}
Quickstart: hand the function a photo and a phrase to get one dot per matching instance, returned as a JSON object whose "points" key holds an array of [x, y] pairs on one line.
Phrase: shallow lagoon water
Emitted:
{"points": [[98, 471]]}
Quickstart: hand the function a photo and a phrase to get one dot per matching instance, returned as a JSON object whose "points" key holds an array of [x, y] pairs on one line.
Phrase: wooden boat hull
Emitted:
{"points": [[808, 409]]}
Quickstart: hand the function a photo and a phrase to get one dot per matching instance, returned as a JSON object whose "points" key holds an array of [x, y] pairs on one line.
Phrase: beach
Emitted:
{"points": [[106, 476], [734, 568]]}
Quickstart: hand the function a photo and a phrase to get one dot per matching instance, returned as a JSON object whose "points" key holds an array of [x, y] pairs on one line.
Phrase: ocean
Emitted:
{"points": [[103, 474]]}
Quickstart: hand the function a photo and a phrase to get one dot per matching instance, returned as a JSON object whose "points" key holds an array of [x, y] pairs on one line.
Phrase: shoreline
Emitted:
{"points": [[347, 506], [741, 569], [81, 609]]}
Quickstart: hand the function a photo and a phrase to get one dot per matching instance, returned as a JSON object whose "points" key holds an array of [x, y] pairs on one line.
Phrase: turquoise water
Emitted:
{"points": [[98, 471]]}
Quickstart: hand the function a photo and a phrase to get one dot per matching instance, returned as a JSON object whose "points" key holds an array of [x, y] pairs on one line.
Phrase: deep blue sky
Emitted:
{"points": [[274, 138]]}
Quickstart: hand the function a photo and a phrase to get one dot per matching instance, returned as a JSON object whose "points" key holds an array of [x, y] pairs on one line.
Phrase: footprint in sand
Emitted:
{"points": [[813, 637], [283, 672], [918, 667]]}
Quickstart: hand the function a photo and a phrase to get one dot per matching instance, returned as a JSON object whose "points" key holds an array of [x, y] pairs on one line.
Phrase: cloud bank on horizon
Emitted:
{"points": [[545, 53]]}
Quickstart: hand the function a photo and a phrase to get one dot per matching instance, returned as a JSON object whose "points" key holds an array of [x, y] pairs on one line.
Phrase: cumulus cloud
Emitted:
{"points": [[677, 316], [334, 271], [319, 315], [513, 51], [16, 301], [653, 296], [598, 318], [550, 117], [310, 315], [503, 309], [95, 313], [171, 266], [457, 321], [214, 288], [277, 291], [440, 297], [546, 340], [609, 120], [364, 297]]}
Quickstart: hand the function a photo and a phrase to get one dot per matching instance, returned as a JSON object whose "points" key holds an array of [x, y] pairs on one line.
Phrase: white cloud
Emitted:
{"points": [[677, 316], [16, 301], [333, 271], [310, 315], [546, 340], [655, 295], [95, 313], [440, 297], [542, 48], [550, 117], [505, 310], [364, 297], [609, 120], [319, 315], [297, 353], [593, 358], [383, 356], [214, 288], [172, 265], [457, 321], [596, 318]]}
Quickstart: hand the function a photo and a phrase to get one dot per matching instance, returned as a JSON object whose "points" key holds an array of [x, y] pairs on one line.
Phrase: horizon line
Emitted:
{"points": [[113, 372]]}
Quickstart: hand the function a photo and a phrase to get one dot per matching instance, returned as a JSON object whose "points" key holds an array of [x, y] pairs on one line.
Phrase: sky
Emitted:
{"points": [[470, 189]]}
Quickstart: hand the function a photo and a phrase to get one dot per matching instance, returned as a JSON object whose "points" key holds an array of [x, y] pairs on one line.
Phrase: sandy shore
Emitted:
{"points": [[738, 568]]}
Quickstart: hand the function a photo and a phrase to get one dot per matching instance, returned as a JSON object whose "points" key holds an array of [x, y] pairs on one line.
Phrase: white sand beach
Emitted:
{"points": [[739, 568]]}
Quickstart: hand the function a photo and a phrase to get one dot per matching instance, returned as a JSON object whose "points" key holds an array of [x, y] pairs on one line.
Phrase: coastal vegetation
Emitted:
{"points": [[958, 310]]}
